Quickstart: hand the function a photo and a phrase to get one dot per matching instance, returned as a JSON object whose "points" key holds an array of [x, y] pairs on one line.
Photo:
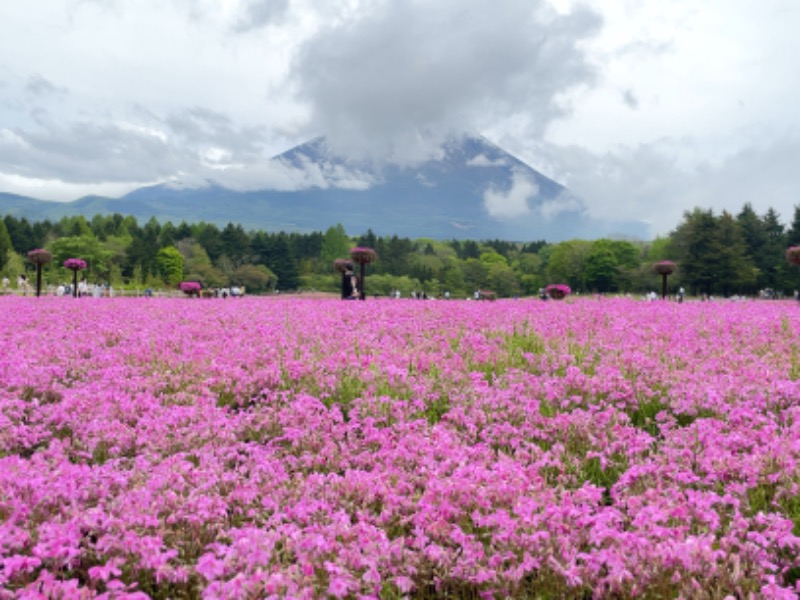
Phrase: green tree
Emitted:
{"points": [[693, 242], [254, 278], [755, 237], [453, 278], [169, 265], [197, 264], [210, 238], [476, 274], [5, 245], [793, 230], [22, 235], [530, 269], [235, 244], [734, 269], [14, 266], [502, 280], [276, 254], [601, 268], [772, 261], [335, 244], [567, 263], [87, 247]]}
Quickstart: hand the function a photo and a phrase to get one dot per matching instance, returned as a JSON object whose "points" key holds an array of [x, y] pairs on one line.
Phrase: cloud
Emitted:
{"points": [[564, 202], [651, 182], [481, 160], [259, 13], [391, 73], [629, 98], [512, 202], [39, 86]]}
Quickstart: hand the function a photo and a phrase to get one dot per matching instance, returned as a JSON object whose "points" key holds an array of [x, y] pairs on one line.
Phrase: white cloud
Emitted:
{"points": [[512, 202], [394, 72], [644, 109], [481, 160]]}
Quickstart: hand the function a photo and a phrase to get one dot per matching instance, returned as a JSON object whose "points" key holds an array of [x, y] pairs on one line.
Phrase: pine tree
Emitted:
{"points": [[735, 271], [755, 238], [693, 242], [773, 258]]}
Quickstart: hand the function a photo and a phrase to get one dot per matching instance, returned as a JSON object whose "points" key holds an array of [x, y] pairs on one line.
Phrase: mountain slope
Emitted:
{"points": [[471, 190]]}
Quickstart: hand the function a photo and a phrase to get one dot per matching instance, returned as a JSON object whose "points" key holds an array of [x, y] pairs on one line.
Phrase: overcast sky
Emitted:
{"points": [[644, 108]]}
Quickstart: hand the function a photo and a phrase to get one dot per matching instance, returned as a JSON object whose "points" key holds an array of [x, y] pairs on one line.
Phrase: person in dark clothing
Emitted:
{"points": [[349, 284]]}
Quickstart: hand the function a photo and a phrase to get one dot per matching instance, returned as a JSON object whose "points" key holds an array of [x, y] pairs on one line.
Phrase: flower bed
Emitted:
{"points": [[317, 448]]}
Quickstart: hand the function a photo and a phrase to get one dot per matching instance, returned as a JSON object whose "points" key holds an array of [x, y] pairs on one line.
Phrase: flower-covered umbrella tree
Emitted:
{"points": [[793, 255], [39, 257], [363, 256], [191, 288], [665, 268], [558, 291], [75, 265]]}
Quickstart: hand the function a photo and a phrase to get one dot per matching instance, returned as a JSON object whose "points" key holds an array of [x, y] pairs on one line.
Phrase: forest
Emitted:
{"points": [[716, 254]]}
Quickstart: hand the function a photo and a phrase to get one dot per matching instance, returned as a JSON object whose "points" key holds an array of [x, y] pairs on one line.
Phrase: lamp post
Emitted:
{"points": [[363, 256], [39, 257], [665, 268], [75, 265]]}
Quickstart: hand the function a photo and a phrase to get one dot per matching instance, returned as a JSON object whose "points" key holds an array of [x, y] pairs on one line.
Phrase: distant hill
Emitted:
{"points": [[473, 190]]}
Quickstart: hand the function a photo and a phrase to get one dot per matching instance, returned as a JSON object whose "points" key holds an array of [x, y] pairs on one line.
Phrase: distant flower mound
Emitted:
{"points": [[40, 256], [191, 288], [793, 255], [363, 256], [664, 267], [75, 264], [558, 291]]}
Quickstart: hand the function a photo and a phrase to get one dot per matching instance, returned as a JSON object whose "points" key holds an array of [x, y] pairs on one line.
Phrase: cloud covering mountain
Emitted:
{"points": [[643, 109], [470, 189]]}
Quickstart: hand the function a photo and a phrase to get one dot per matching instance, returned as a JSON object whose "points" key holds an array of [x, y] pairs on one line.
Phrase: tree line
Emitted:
{"points": [[716, 254]]}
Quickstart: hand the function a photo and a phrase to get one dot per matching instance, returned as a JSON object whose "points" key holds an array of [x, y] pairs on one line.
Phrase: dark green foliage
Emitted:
{"points": [[716, 254]]}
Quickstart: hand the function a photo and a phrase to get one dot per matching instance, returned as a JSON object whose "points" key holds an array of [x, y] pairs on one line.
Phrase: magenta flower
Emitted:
{"points": [[793, 255], [363, 256], [665, 267], [40, 256], [75, 264], [558, 291], [190, 288]]}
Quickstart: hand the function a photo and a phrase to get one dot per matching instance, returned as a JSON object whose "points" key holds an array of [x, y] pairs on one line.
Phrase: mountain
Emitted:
{"points": [[472, 190]]}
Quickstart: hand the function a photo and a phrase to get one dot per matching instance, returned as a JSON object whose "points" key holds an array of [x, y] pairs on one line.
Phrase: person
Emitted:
{"points": [[681, 294], [349, 284]]}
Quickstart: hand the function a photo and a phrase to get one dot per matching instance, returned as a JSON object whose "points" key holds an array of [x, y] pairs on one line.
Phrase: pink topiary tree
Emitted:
{"points": [[191, 288], [75, 265], [558, 291], [665, 268], [39, 257], [793, 255], [362, 256]]}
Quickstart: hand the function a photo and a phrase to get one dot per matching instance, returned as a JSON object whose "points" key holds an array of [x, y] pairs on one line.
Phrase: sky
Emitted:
{"points": [[643, 108]]}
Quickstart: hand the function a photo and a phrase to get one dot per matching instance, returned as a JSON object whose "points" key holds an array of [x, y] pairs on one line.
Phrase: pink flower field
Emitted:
{"points": [[276, 447]]}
